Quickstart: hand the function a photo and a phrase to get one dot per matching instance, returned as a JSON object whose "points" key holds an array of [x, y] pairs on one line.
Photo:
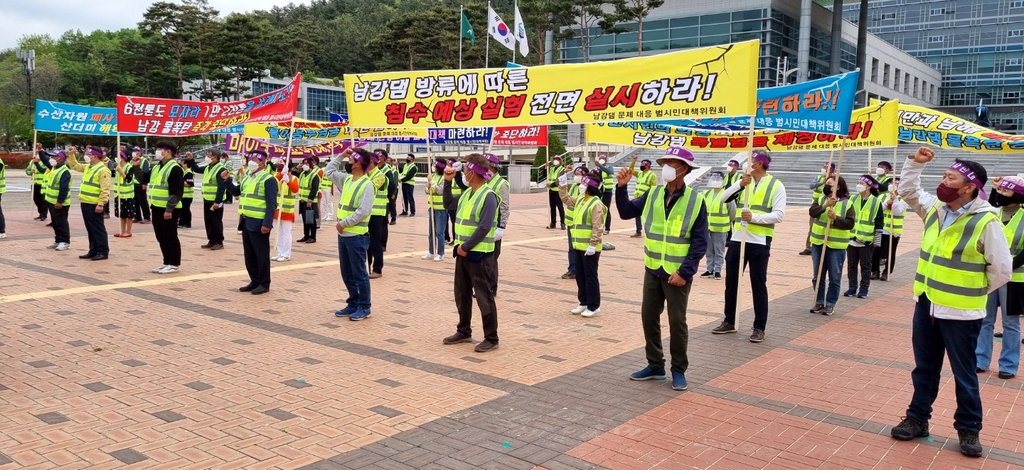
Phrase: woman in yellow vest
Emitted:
{"points": [[124, 188], [964, 257], [287, 190], [574, 192], [720, 215], [585, 233], [437, 216], [865, 237], [893, 210], [815, 187], [834, 204], [1008, 195], [354, 208]]}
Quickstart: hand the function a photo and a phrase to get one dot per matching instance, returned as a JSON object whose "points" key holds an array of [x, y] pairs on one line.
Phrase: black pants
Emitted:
{"points": [[473, 278], [384, 234], [186, 213], [3, 222], [449, 230], [494, 267], [588, 286], [858, 260], [408, 199], [106, 209], [757, 263], [308, 225], [59, 221], [166, 232], [40, 201], [657, 294], [256, 248], [375, 255], [555, 203], [96, 229], [606, 198], [141, 203], [214, 222], [393, 208], [881, 253]]}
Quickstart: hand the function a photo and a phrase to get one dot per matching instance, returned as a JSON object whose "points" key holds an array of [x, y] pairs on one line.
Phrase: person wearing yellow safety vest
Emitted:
{"points": [[166, 187], [586, 231], [819, 181], [143, 215], [390, 169], [309, 189], [213, 196], [437, 216], [475, 225], [257, 203], [57, 188], [554, 201], [188, 194], [379, 215], [287, 190], [734, 174], [835, 205], [756, 225], [357, 201], [37, 169], [3, 190], [964, 256], [676, 224], [607, 185], [502, 189], [645, 180], [893, 210], [575, 191], [720, 215], [865, 237], [458, 186], [883, 173], [93, 193], [125, 172], [409, 185], [1007, 194]]}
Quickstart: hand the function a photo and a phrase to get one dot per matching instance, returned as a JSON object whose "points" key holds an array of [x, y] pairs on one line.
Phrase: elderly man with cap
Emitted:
{"points": [[379, 214], [437, 215], [951, 290], [458, 186], [93, 193], [645, 180], [166, 187], [309, 191], [865, 236], [409, 186], [816, 196], [766, 197], [57, 191], [357, 201], [213, 196], [501, 188], [475, 227], [390, 169], [257, 202], [676, 223]]}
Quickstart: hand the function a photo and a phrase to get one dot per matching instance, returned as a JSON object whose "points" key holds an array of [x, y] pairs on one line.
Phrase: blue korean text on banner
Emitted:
{"points": [[66, 118], [230, 130]]}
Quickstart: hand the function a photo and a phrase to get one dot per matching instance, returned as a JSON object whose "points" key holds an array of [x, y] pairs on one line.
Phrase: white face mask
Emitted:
{"points": [[861, 188], [53, 162], [207, 161], [668, 173], [715, 183], [602, 161], [577, 179], [823, 171], [253, 165], [305, 167], [556, 162], [879, 171]]}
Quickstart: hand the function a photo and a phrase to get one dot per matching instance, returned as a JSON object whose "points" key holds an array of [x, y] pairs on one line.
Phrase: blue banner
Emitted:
{"points": [[66, 118], [437, 136]]}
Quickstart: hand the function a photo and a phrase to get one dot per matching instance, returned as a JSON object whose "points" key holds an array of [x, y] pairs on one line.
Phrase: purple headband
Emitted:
{"points": [[377, 157], [734, 163], [440, 164], [1016, 188], [123, 154], [60, 153], [95, 151], [760, 157], [579, 171], [479, 170], [493, 158], [679, 152], [970, 176], [258, 155], [593, 183], [867, 180]]}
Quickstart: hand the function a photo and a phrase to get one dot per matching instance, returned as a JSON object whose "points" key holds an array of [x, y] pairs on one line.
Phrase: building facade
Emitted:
{"points": [[685, 24], [977, 45]]}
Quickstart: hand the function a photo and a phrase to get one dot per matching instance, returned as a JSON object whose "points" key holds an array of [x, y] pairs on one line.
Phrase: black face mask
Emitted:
{"points": [[348, 168], [827, 189]]}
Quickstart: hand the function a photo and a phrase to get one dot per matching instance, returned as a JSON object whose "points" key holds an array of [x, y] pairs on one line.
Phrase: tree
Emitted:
{"points": [[164, 19], [629, 10], [554, 147], [418, 40], [244, 48], [584, 16], [15, 125]]}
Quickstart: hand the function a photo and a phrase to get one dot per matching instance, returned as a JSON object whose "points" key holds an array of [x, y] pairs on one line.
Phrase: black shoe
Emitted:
{"points": [[260, 290], [718, 276], [561, 227], [393, 223], [979, 370], [875, 276], [969, 444], [99, 257], [412, 215], [818, 308], [1006, 375], [311, 240], [551, 226], [724, 328], [883, 277], [756, 336], [910, 428], [850, 292], [707, 275], [86, 256], [457, 338], [38, 218], [806, 252], [569, 275], [249, 288], [998, 334], [302, 240], [404, 213], [486, 345], [206, 246], [829, 310], [219, 246], [49, 224]]}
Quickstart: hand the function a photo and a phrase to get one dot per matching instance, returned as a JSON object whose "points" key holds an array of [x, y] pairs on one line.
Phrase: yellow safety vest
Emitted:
{"points": [[668, 238], [436, 199], [210, 175], [125, 189], [351, 194], [52, 184], [718, 211], [188, 193], [582, 227], [467, 219], [864, 224], [495, 183], [837, 239], [553, 177], [3, 178], [760, 203], [380, 196], [819, 190], [306, 185], [253, 202], [39, 172], [1014, 231], [645, 180], [894, 225], [409, 170], [607, 180], [575, 193], [159, 192], [89, 191], [950, 269], [285, 198]]}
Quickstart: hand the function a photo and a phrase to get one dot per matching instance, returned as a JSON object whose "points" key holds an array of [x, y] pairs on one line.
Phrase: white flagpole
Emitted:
{"points": [[280, 193], [461, 15], [487, 49], [515, 33]]}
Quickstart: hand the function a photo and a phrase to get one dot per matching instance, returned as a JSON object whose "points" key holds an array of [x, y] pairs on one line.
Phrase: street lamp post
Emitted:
{"points": [[28, 61]]}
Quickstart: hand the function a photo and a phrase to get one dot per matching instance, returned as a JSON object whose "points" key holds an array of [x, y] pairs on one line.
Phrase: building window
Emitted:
{"points": [[896, 81], [938, 11], [1017, 4], [1011, 95], [1015, 33], [1013, 62], [934, 39], [888, 16], [885, 75], [874, 70], [916, 84]]}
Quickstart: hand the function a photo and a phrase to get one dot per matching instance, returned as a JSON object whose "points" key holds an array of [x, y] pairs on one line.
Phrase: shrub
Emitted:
{"points": [[16, 161]]}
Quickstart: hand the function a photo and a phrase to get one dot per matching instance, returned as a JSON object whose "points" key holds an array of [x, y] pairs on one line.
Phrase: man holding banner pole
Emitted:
{"points": [[38, 169]]}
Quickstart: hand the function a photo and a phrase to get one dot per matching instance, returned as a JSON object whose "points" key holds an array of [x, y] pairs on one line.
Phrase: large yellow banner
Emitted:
{"points": [[870, 127], [315, 130], [927, 126], [703, 82]]}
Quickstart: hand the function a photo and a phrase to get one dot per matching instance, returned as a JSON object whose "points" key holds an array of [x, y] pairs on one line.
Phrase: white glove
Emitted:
{"points": [[286, 177], [590, 251], [498, 233], [563, 179], [457, 166]]}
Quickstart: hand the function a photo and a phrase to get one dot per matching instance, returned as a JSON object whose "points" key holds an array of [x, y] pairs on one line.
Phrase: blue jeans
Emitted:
{"points": [[834, 268], [572, 256], [352, 254], [1009, 353], [934, 338], [436, 240]]}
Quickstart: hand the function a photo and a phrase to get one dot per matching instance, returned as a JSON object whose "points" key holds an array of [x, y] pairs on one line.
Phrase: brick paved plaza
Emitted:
{"points": [[105, 365]]}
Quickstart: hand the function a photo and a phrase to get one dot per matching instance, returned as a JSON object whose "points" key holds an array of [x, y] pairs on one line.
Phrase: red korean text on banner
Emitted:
{"points": [[525, 136], [180, 118]]}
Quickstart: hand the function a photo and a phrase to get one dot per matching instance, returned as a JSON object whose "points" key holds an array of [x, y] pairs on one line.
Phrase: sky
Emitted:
{"points": [[23, 17]]}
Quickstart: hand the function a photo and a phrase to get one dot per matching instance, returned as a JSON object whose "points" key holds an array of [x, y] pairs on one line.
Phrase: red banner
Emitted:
{"points": [[180, 118], [526, 136]]}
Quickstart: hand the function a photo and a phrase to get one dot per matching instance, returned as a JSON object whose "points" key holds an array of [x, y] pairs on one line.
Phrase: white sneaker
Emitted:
{"points": [[63, 246], [275, 258], [159, 268], [239, 232], [51, 246], [168, 270], [283, 258], [328, 219], [578, 310], [592, 313], [3, 236], [438, 258], [428, 256]]}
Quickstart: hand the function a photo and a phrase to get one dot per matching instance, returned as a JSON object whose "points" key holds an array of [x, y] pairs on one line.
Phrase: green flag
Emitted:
{"points": [[467, 30]]}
